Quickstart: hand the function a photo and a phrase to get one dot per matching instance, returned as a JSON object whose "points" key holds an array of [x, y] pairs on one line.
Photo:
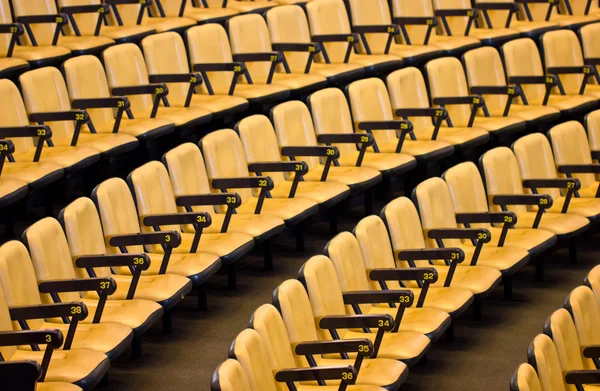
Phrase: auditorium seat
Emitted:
{"points": [[319, 277], [372, 113], [504, 185], [592, 280], [554, 12], [592, 126], [210, 54], [197, 12], [583, 7], [45, 25], [88, 89], [167, 63], [127, 75], [192, 191], [122, 234], [146, 14], [573, 157], [89, 18], [333, 126], [11, 190], [525, 379], [571, 352], [457, 17], [260, 145], [83, 367], [563, 57], [47, 101], [410, 101], [294, 128], [229, 376], [536, 163], [448, 87], [35, 55], [471, 206], [81, 223], [589, 40], [523, 67], [434, 203], [330, 26], [406, 234], [345, 253], [52, 260], [288, 27], [584, 308], [71, 158], [372, 21], [270, 325], [252, 352], [10, 67], [418, 25], [251, 44], [29, 375], [21, 288], [485, 74]]}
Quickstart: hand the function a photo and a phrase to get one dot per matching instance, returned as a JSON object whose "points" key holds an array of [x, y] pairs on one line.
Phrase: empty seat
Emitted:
{"points": [[197, 12], [457, 18], [583, 307], [418, 26], [372, 113], [471, 205], [294, 127], [119, 218], [21, 289], [167, 62], [269, 324], [448, 87], [48, 31], [372, 20], [250, 43], [582, 7], [81, 223], [84, 367], [523, 67], [47, 101], [406, 233], [410, 101], [329, 25], [88, 89], [229, 376], [345, 253], [564, 58], [10, 67], [71, 158], [210, 54], [573, 157], [571, 353], [35, 55], [333, 126], [485, 74], [127, 75], [592, 126], [588, 37], [90, 17], [525, 379], [260, 145], [288, 27], [556, 13], [147, 14], [536, 163], [592, 280], [320, 279], [504, 185]]}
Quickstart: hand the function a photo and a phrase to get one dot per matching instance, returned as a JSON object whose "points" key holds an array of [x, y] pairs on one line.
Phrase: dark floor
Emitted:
{"points": [[483, 355]]}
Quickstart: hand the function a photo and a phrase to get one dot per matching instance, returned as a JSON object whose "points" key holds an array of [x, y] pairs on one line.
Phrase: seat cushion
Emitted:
{"points": [[63, 156], [366, 60], [247, 224], [142, 128], [54, 386], [383, 162], [208, 14], [318, 192], [410, 52], [572, 20], [458, 135], [451, 43], [527, 239], [9, 64], [136, 314], [349, 176], [589, 191], [498, 124], [167, 23], [70, 366], [566, 102], [250, 6], [559, 224], [534, 112], [420, 148], [381, 372], [42, 52], [477, 279], [507, 259], [428, 321], [588, 207], [448, 299], [406, 346], [525, 26], [332, 70], [289, 210], [258, 91], [35, 174], [11, 190], [217, 103], [118, 33], [294, 81], [84, 43], [194, 266], [180, 116], [101, 142], [221, 245], [493, 34]]}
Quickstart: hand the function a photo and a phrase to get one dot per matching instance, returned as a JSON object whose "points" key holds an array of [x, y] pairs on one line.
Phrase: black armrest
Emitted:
{"points": [[555, 183], [85, 9], [415, 20], [476, 100], [72, 115], [513, 90], [7, 147], [201, 219], [363, 347], [141, 261], [579, 169], [170, 239], [346, 374], [59, 19], [514, 7], [11, 28], [551, 80], [295, 166], [145, 3], [509, 218], [346, 138], [595, 155], [50, 337], [592, 351], [410, 274], [237, 67], [384, 322], [470, 12], [105, 284], [255, 182], [585, 69], [453, 253], [232, 200], [316, 151], [351, 38], [117, 102], [541, 200], [480, 234], [583, 377], [42, 131], [275, 57], [192, 78], [296, 47], [403, 297], [591, 61], [385, 125], [75, 310], [377, 28], [433, 112], [155, 89]]}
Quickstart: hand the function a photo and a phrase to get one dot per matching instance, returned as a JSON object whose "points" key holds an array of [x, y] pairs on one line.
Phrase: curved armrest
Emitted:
{"points": [[403, 297], [541, 200], [106, 285], [171, 239], [350, 38], [316, 151], [232, 200], [433, 112], [158, 89], [117, 102], [346, 138], [296, 47], [579, 169], [555, 183], [256, 182], [509, 218], [276, 57], [364, 347], [346, 374], [427, 274], [201, 219], [384, 322], [141, 261], [295, 166], [193, 79], [476, 100], [75, 310], [50, 337], [480, 234]]}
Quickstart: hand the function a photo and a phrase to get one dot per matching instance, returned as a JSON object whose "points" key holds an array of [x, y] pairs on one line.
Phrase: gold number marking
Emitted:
{"points": [[482, 235], [543, 201], [138, 261], [167, 238], [79, 117], [201, 219], [231, 200], [382, 323], [508, 219], [262, 183], [41, 132], [104, 284], [75, 310]]}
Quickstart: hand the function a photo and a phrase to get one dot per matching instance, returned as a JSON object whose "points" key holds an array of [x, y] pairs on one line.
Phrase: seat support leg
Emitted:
{"points": [[268, 255], [300, 237], [104, 381], [136, 348], [369, 202], [333, 220], [539, 269], [477, 309], [232, 276], [572, 251], [508, 284], [449, 336], [203, 297], [167, 321]]}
